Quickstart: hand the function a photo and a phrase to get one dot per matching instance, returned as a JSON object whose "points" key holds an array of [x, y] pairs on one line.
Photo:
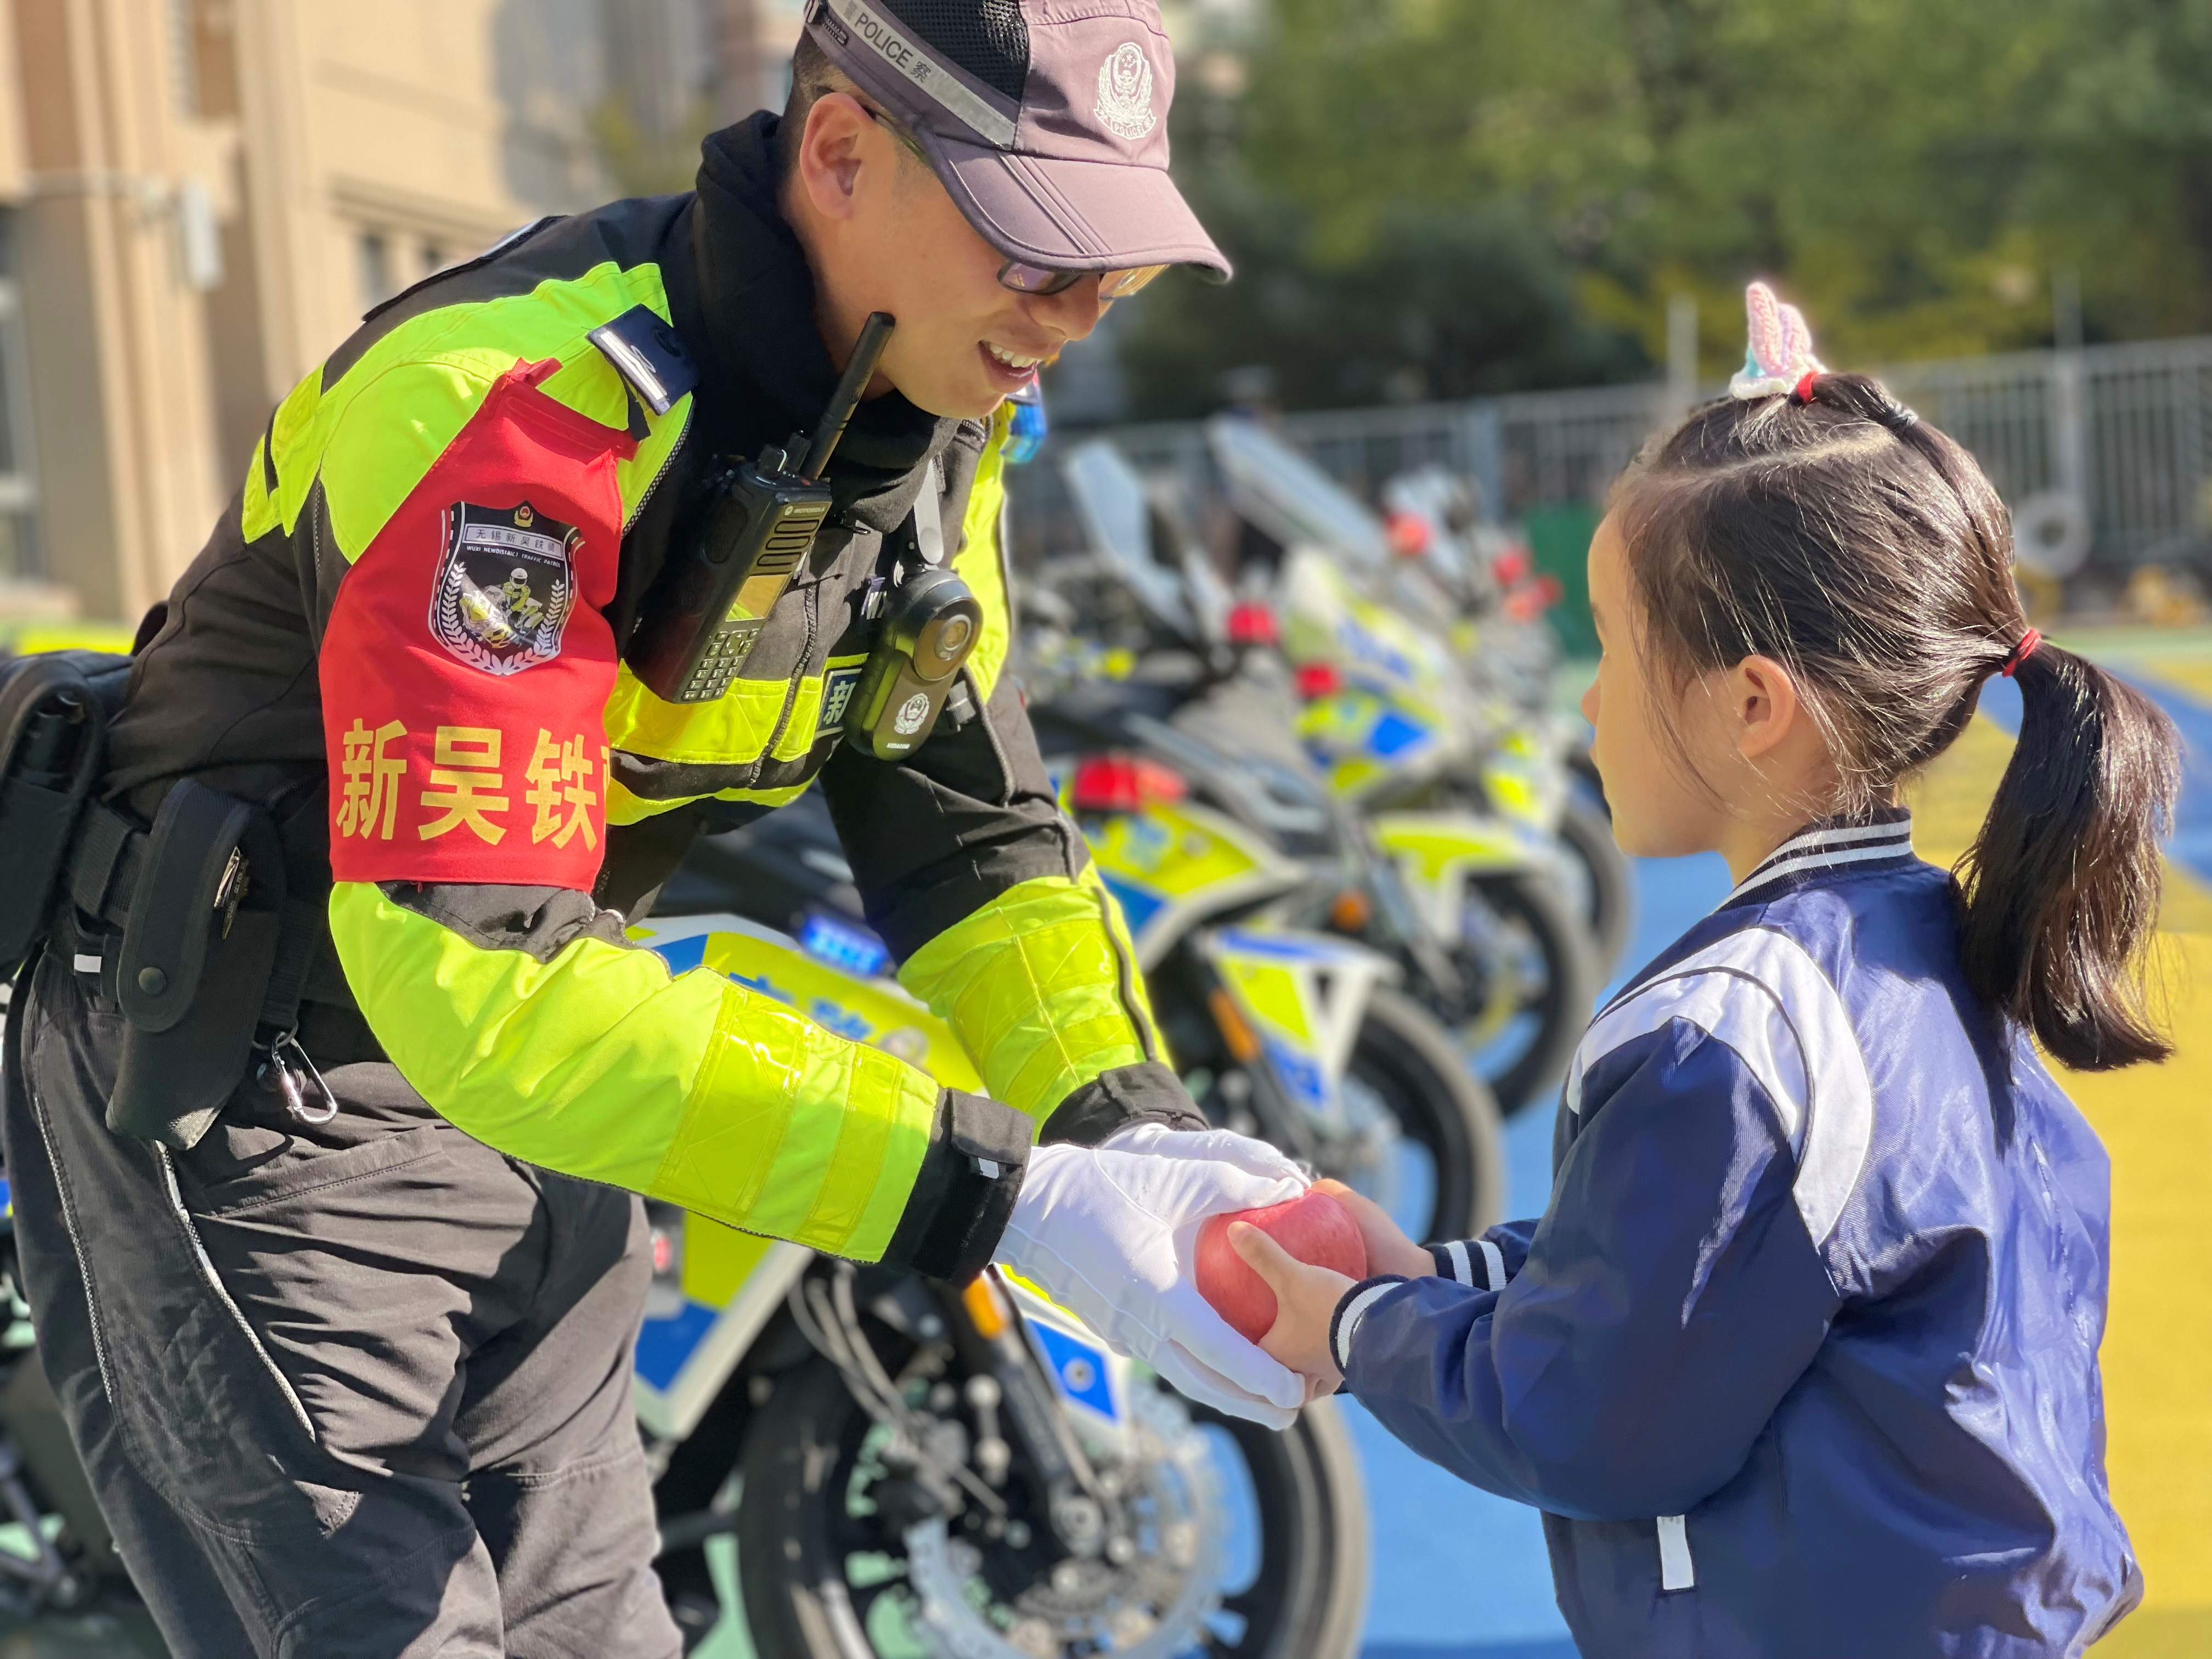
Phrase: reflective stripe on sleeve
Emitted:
{"points": [[1676, 1570], [1493, 1264]]}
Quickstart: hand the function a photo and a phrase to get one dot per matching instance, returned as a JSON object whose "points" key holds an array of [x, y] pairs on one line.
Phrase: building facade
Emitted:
{"points": [[201, 196]]}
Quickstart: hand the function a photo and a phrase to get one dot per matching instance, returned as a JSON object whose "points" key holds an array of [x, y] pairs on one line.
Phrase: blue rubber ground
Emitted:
{"points": [[1458, 1574]]}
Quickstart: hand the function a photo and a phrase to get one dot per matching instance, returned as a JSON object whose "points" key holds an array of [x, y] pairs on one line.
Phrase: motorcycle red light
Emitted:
{"points": [[1252, 624], [1123, 783], [1318, 679], [1409, 534]]}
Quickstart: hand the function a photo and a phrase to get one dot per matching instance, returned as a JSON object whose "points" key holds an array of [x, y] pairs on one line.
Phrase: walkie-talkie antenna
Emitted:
{"points": [[868, 352]]}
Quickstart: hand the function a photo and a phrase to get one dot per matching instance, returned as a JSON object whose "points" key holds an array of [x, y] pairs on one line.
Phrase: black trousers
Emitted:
{"points": [[353, 1390]]}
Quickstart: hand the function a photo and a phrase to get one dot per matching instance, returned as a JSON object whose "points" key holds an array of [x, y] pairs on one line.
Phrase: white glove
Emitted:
{"points": [[1254, 1156], [1111, 1233]]}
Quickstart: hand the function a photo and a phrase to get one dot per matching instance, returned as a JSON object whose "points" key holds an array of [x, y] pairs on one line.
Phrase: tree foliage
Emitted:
{"points": [[1911, 173], [1440, 302]]}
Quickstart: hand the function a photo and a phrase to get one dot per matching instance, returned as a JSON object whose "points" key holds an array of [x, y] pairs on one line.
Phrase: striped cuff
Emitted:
{"points": [[1351, 1308], [1476, 1263]]}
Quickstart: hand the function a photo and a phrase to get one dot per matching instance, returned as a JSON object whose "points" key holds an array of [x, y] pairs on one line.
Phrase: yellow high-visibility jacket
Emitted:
{"points": [[416, 603]]}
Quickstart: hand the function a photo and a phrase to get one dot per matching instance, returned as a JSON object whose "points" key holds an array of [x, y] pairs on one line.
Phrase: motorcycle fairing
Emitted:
{"points": [[1091, 1380], [1171, 866], [732, 1282], [1525, 780], [1304, 995], [1328, 620], [1363, 739], [1435, 854]]}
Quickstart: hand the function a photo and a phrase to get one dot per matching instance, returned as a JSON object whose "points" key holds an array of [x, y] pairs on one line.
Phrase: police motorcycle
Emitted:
{"points": [[905, 1469], [1473, 907], [1500, 641], [1432, 518], [887, 1466], [855, 1461], [1405, 709]]}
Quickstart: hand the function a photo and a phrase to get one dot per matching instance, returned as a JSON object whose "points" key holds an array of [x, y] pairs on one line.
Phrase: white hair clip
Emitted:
{"points": [[1780, 354]]}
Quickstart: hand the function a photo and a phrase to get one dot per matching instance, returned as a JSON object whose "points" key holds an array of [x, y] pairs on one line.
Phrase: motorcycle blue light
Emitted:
{"points": [[1025, 433], [844, 946]]}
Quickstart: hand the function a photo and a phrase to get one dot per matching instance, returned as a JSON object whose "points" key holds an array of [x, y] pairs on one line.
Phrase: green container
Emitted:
{"points": [[1559, 542]]}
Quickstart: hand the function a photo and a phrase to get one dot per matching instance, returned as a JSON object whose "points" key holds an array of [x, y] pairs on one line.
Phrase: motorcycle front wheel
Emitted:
{"points": [[825, 1576]]}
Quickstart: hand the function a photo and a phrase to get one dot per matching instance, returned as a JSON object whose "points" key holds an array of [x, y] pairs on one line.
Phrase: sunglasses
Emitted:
{"points": [[1025, 278], [1021, 275]]}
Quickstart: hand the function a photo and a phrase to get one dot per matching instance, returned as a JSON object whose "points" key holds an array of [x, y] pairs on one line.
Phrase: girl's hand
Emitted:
{"points": [[1305, 1301], [1389, 1249]]}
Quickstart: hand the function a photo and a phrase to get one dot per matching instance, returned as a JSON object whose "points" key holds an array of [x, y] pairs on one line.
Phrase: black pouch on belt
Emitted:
{"points": [[53, 726], [197, 955]]}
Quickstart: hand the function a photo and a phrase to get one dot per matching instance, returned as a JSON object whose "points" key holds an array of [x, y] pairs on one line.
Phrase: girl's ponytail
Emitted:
{"points": [[2061, 885], [1811, 518]]}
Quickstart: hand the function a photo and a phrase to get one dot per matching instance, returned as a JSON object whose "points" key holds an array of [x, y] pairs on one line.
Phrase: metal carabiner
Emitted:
{"points": [[279, 1077]]}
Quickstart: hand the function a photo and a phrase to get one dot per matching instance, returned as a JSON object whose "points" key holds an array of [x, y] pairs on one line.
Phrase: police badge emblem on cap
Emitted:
{"points": [[1047, 123], [1125, 92]]}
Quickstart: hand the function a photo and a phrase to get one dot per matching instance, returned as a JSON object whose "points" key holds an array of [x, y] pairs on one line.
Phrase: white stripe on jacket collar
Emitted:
{"points": [[1826, 847]]}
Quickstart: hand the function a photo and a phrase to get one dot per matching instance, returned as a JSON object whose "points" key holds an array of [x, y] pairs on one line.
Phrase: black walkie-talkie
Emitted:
{"points": [[753, 531]]}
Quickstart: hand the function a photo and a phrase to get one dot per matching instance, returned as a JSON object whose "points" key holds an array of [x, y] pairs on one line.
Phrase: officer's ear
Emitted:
{"points": [[842, 142]]}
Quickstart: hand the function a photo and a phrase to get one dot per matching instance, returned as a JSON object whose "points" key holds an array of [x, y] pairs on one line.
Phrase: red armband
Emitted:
{"points": [[467, 662]]}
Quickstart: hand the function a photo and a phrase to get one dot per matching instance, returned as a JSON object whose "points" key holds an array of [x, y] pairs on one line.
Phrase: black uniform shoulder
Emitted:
{"points": [[628, 234]]}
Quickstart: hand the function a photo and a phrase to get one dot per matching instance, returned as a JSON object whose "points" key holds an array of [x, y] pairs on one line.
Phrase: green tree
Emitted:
{"points": [[1911, 173], [1440, 302]]}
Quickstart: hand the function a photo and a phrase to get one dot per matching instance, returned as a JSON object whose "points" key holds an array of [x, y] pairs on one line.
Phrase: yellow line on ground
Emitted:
{"points": [[2193, 674], [2156, 1123]]}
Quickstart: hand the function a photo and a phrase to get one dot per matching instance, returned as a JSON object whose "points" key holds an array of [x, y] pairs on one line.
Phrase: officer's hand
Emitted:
{"points": [[1254, 1156], [1111, 1232]]}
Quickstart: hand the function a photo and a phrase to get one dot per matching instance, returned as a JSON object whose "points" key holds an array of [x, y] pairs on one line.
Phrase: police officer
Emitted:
{"points": [[343, 1335]]}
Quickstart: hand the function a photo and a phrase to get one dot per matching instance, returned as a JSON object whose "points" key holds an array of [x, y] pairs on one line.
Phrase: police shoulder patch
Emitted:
{"points": [[506, 584]]}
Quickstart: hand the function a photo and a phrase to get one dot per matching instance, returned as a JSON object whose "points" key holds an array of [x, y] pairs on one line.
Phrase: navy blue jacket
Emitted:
{"points": [[1800, 1362]]}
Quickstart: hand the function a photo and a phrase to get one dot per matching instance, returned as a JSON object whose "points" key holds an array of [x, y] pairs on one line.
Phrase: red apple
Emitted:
{"points": [[1313, 1227]]}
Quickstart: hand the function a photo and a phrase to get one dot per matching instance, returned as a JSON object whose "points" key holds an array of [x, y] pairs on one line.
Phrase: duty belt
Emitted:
{"points": [[108, 870]]}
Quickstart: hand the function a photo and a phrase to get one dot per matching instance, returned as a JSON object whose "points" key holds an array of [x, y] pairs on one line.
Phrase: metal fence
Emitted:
{"points": [[2122, 428]]}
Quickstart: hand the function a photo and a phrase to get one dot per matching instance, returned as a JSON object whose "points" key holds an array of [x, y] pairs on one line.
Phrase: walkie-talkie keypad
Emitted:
{"points": [[727, 647]]}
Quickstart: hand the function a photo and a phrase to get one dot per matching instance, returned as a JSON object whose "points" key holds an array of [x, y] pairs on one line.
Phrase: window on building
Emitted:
{"points": [[374, 252], [19, 523], [434, 258], [203, 57]]}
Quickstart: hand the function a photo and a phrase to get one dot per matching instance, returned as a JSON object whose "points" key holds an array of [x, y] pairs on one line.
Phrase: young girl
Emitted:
{"points": [[1800, 1362]]}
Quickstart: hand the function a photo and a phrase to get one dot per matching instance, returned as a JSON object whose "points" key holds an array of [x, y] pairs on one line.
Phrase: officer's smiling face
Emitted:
{"points": [[882, 234]]}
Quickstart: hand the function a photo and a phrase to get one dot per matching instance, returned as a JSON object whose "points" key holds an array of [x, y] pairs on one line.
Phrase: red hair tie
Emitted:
{"points": [[1802, 393], [2021, 651]]}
